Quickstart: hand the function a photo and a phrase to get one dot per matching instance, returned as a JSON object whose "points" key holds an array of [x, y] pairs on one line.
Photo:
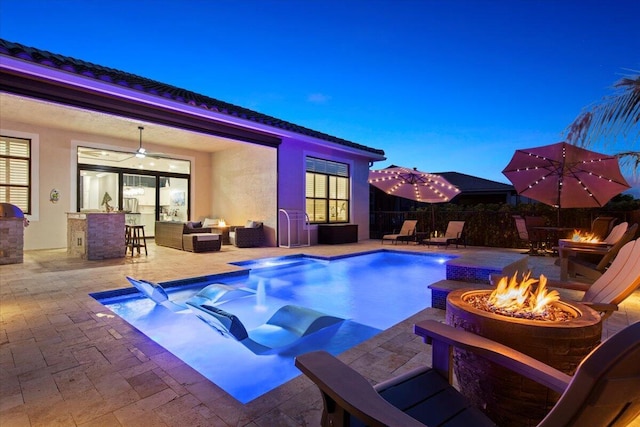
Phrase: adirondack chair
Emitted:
{"points": [[602, 225], [571, 264], [603, 391], [406, 233], [617, 283]]}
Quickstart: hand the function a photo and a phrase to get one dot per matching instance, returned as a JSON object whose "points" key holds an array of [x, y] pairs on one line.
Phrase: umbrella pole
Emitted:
{"points": [[433, 219]]}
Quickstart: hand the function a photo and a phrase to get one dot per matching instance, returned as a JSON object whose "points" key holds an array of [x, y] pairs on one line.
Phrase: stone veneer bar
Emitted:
{"points": [[96, 235], [11, 240]]}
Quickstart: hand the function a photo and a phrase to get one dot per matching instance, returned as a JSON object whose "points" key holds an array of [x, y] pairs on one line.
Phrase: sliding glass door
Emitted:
{"points": [[174, 199], [147, 190], [139, 200]]}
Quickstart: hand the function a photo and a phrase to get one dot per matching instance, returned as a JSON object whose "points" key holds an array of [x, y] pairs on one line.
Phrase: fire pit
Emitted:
{"points": [[579, 236], [562, 340]]}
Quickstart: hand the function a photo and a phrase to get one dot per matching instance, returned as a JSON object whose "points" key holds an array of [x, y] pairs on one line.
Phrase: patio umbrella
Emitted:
{"points": [[413, 184], [565, 176]]}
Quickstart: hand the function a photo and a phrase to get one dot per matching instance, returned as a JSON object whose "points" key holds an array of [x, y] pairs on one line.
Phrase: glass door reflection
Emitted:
{"points": [[174, 199], [139, 201], [98, 191]]}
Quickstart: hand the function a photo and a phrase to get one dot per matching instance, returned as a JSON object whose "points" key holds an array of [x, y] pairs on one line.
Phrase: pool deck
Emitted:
{"points": [[66, 360]]}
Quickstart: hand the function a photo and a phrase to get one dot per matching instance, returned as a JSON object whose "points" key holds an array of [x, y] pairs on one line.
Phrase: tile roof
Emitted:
{"points": [[470, 184], [148, 86]]}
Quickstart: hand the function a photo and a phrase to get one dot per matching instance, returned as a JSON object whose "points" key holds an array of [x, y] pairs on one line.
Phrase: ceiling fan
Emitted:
{"points": [[141, 152], [119, 156]]}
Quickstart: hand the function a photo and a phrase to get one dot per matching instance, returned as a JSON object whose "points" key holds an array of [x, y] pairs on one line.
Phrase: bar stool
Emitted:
{"points": [[135, 238]]}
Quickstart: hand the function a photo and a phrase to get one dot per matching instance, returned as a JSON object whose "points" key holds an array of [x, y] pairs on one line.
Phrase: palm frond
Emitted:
{"points": [[616, 116]]}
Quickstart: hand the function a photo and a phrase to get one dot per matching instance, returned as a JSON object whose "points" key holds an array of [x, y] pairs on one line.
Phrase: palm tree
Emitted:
{"points": [[616, 116]]}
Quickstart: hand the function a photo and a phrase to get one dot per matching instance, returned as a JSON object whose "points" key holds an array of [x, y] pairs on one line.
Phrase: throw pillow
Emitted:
{"points": [[210, 222], [192, 224], [250, 224]]}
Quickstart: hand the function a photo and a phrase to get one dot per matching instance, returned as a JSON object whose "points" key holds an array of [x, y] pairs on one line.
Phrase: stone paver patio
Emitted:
{"points": [[66, 360]]}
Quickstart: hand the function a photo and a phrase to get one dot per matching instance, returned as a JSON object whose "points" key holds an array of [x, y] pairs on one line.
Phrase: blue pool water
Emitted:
{"points": [[371, 291]]}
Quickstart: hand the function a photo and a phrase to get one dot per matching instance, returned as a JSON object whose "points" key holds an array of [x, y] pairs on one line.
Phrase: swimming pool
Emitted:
{"points": [[371, 292]]}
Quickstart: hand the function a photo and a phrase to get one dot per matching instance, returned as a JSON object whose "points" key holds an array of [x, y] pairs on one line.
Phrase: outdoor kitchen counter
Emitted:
{"points": [[96, 235]]}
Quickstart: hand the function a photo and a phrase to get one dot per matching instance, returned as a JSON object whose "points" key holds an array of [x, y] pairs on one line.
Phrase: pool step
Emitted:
{"points": [[441, 289], [478, 268], [473, 272]]}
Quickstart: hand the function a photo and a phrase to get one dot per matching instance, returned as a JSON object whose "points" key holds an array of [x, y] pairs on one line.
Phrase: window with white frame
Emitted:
{"points": [[327, 191], [15, 172]]}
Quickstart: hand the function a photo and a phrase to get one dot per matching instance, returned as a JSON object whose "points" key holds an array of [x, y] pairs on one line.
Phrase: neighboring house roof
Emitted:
{"points": [[152, 87], [472, 184]]}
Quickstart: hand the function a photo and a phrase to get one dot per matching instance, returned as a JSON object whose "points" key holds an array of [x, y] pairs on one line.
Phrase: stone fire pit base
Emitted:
{"points": [[507, 398]]}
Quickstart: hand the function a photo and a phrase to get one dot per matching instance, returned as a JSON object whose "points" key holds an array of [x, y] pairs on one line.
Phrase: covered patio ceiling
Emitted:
{"points": [[42, 113]]}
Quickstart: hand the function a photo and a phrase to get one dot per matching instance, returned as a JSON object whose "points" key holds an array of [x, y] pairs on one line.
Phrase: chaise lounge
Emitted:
{"points": [[452, 235], [406, 233]]}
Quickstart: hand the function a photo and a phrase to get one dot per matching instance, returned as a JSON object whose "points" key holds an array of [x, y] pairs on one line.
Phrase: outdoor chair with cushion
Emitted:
{"points": [[572, 264], [453, 234], [406, 233], [249, 236], [603, 391]]}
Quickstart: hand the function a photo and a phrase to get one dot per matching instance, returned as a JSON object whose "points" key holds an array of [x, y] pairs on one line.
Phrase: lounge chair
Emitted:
{"points": [[211, 294], [406, 233], [284, 329], [571, 263], [453, 234], [603, 391]]}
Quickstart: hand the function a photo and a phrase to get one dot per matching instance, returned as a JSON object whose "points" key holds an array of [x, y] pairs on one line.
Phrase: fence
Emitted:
{"points": [[488, 225]]}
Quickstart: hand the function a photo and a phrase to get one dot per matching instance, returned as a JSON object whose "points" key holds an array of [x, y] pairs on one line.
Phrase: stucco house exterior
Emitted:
{"points": [[83, 123]]}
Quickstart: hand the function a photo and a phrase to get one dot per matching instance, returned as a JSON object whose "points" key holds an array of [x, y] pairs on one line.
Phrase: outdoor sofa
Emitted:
{"points": [[190, 236]]}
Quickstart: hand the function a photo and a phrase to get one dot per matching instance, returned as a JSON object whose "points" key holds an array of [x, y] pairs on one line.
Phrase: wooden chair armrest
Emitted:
{"points": [[442, 336], [576, 286], [601, 306], [350, 391], [581, 250]]}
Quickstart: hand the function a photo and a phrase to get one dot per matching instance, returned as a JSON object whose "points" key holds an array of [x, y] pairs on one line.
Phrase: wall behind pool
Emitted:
{"points": [[244, 187], [292, 174]]}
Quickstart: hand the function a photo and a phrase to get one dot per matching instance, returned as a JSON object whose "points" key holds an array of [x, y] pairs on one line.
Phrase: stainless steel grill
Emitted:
{"points": [[7, 210]]}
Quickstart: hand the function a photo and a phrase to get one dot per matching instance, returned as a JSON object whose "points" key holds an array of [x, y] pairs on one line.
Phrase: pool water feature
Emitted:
{"points": [[371, 291]]}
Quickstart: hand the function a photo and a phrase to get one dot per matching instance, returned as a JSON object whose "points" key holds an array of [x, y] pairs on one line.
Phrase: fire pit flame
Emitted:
{"points": [[520, 299], [578, 236]]}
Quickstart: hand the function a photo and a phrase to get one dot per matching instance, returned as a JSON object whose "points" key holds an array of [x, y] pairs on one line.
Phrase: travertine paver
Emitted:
{"points": [[66, 360]]}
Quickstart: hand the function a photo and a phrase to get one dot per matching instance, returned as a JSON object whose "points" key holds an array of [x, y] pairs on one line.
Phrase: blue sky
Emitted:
{"points": [[453, 85]]}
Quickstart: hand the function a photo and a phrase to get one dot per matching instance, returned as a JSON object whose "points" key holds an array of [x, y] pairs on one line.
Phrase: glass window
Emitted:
{"points": [[327, 191], [15, 172], [99, 191]]}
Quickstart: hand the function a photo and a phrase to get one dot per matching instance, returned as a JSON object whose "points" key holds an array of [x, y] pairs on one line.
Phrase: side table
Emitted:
{"points": [[224, 232]]}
